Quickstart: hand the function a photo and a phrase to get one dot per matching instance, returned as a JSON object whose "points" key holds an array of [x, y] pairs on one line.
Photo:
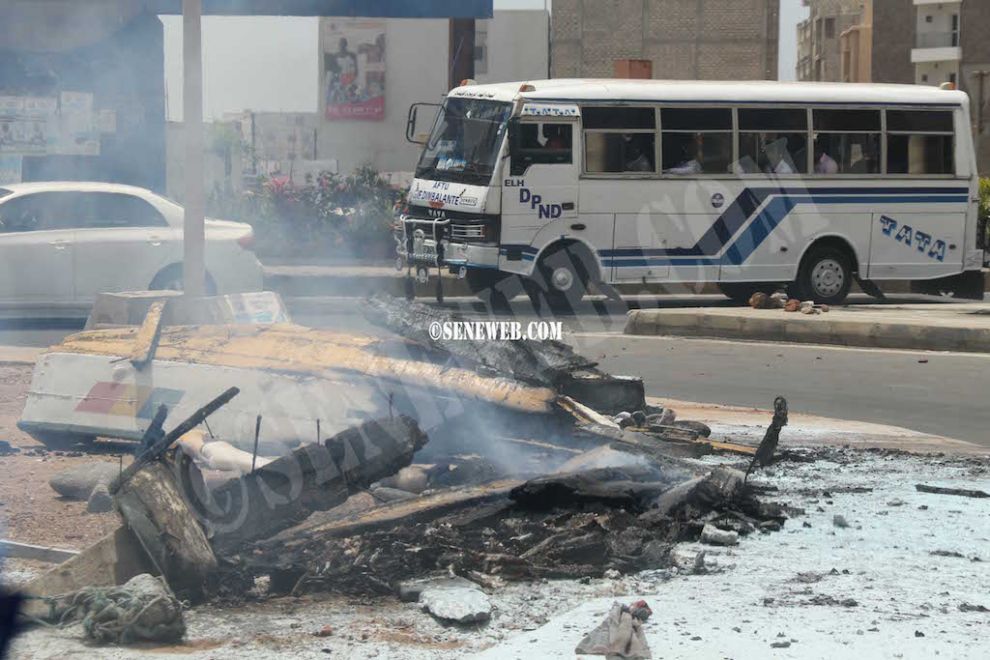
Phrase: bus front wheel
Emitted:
{"points": [[562, 277], [825, 275]]}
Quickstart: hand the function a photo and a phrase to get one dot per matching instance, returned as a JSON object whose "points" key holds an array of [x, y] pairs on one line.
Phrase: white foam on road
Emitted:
{"points": [[883, 561]]}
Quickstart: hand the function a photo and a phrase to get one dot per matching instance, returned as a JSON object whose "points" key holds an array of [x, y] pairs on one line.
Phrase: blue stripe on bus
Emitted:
{"points": [[727, 225], [761, 227]]}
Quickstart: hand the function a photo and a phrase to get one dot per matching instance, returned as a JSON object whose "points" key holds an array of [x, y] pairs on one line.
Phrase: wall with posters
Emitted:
{"points": [[368, 83], [85, 112]]}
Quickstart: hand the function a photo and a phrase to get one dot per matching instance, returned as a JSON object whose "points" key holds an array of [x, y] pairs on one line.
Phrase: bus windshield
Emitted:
{"points": [[465, 141]]}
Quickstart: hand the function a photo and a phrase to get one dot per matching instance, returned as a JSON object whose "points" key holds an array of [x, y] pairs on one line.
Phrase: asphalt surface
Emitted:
{"points": [[939, 393]]}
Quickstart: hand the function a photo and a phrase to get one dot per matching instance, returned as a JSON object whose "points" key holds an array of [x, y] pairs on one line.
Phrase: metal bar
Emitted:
{"points": [[194, 266], [15, 550]]}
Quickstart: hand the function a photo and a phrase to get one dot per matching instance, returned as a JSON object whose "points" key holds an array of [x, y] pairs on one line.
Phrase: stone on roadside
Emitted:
{"points": [[712, 535], [100, 500], [896, 502], [455, 602], [77, 483], [690, 561], [840, 521], [792, 305]]}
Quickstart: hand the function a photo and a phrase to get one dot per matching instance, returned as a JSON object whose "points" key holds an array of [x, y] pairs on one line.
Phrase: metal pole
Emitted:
{"points": [[194, 267]]}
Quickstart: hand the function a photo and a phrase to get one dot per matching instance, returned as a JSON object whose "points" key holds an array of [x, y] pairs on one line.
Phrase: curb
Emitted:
{"points": [[800, 329]]}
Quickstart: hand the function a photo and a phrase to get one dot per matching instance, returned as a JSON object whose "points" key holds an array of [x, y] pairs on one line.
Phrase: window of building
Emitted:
{"points": [[619, 139], [773, 141], [846, 141], [540, 144], [696, 140], [920, 142], [830, 28]]}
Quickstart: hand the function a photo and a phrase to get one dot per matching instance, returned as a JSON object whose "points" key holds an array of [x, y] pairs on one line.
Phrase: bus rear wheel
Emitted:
{"points": [[825, 276]]}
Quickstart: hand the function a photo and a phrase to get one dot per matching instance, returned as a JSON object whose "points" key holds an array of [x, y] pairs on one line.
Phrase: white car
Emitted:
{"points": [[61, 243]]}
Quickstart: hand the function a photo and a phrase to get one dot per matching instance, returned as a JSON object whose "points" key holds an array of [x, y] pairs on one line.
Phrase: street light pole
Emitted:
{"points": [[194, 267]]}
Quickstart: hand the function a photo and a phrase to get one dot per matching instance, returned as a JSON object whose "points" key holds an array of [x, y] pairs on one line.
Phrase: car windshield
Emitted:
{"points": [[465, 141]]}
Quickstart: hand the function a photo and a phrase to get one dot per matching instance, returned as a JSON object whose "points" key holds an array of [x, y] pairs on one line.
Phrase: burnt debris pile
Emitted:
{"points": [[537, 465]]}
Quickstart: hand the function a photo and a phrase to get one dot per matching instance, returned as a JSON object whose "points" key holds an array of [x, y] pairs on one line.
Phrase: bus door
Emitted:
{"points": [[539, 188]]}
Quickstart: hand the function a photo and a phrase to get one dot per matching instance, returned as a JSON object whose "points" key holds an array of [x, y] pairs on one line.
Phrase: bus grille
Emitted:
{"points": [[467, 232]]}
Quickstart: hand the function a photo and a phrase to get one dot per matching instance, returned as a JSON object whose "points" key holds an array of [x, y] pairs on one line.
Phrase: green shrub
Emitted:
{"points": [[328, 215]]}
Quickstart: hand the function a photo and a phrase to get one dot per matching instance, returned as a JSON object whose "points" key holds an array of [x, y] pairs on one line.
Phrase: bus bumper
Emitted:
{"points": [[968, 285], [467, 255]]}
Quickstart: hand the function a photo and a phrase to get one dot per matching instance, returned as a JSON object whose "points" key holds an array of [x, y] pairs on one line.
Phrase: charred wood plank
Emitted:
{"points": [[154, 509], [940, 490], [315, 477]]}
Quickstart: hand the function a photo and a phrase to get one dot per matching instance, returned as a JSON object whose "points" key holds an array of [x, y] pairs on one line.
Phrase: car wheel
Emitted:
{"points": [[170, 279], [825, 275]]}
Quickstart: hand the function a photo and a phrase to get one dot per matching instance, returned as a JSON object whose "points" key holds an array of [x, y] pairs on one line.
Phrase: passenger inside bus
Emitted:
{"points": [[635, 157], [825, 164], [691, 163]]}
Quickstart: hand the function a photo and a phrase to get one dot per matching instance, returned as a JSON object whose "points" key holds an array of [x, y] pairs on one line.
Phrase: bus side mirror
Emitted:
{"points": [[412, 134]]}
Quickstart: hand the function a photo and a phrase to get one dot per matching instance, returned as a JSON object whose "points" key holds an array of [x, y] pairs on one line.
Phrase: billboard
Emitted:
{"points": [[352, 73]]}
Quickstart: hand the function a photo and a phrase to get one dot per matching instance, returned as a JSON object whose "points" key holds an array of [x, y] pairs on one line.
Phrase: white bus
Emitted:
{"points": [[561, 185]]}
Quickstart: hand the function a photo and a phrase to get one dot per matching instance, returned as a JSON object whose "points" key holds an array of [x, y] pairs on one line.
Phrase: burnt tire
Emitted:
{"points": [[825, 275], [560, 278]]}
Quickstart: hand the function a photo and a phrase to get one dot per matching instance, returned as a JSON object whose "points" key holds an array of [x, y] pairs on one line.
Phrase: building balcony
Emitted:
{"points": [[937, 40], [937, 2], [920, 55]]}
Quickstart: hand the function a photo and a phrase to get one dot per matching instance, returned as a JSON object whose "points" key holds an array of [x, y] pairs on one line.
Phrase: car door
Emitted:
{"points": [[36, 250], [121, 244]]}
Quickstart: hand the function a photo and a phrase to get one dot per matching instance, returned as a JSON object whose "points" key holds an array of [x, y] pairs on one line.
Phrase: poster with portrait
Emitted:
{"points": [[353, 69], [26, 124]]}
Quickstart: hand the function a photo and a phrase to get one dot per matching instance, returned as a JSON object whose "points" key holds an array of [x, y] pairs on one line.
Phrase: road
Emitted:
{"points": [[940, 393]]}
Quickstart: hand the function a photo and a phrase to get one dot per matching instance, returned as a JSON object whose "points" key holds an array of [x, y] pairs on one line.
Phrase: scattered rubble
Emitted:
{"points": [[620, 635], [714, 536], [840, 521], [455, 600]]}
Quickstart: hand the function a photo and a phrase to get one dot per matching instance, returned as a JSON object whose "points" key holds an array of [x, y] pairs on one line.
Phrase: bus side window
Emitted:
{"points": [[696, 140], [845, 141], [539, 144], [920, 142], [773, 140], [619, 140]]}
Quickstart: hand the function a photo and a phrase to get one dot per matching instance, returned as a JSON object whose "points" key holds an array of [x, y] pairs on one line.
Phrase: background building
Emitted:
{"points": [[856, 48], [81, 92], [413, 67], [931, 42], [684, 39], [819, 55]]}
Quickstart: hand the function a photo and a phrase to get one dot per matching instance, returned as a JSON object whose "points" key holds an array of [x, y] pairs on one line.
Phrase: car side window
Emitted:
{"points": [[99, 210], [36, 212]]}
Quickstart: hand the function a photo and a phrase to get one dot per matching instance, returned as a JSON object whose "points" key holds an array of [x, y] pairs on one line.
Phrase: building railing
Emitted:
{"points": [[938, 40]]}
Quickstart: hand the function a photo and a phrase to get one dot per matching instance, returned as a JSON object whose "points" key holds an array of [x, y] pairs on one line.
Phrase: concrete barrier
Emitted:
{"points": [[955, 330]]}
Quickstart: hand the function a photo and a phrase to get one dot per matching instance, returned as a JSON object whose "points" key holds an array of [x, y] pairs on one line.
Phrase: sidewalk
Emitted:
{"points": [[933, 327]]}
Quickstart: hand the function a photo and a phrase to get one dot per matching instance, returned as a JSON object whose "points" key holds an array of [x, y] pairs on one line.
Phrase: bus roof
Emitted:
{"points": [[711, 91]]}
